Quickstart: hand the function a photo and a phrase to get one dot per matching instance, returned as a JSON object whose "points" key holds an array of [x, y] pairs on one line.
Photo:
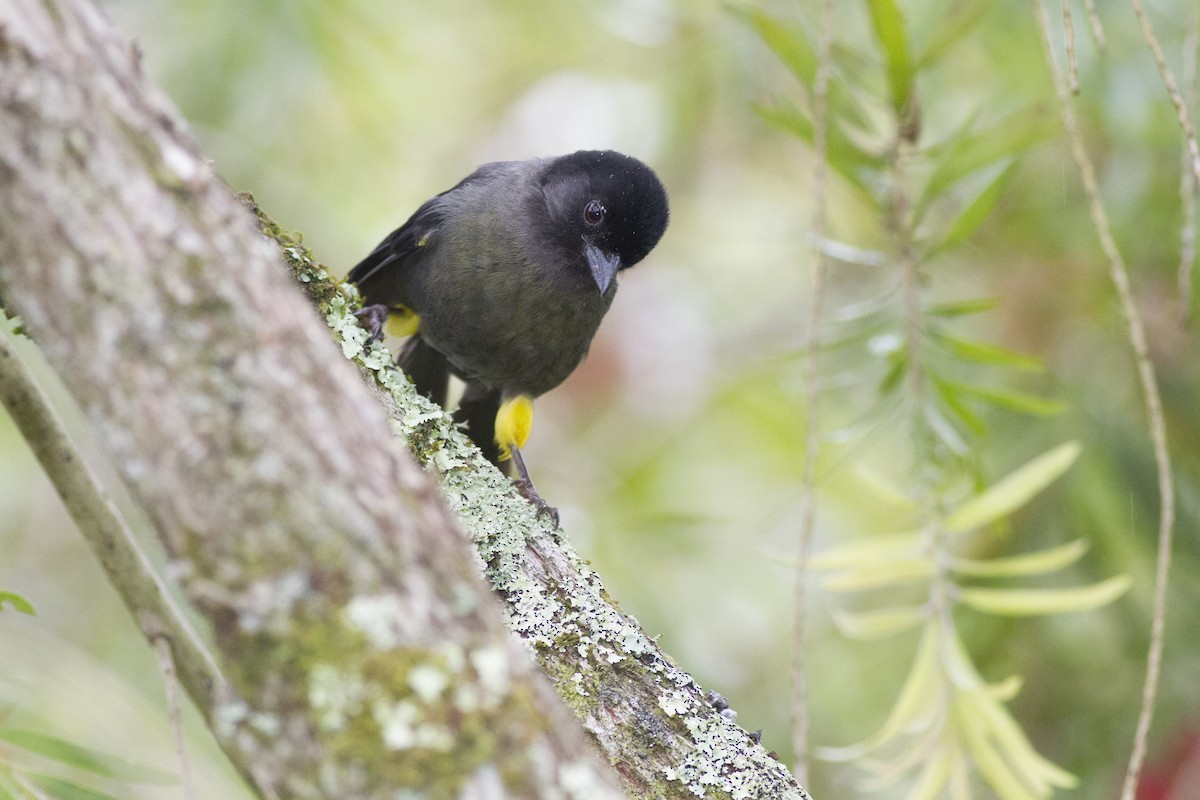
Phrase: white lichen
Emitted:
{"points": [[265, 723], [228, 717], [492, 669], [579, 780], [427, 682], [403, 728], [181, 162], [453, 657], [467, 698], [376, 617], [674, 704], [268, 604], [335, 696]]}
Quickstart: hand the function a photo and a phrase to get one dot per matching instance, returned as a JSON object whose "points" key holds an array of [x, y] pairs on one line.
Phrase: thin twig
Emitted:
{"points": [[1069, 34], [1150, 396], [811, 390], [1094, 18], [126, 565], [1168, 79], [1187, 181], [166, 664]]}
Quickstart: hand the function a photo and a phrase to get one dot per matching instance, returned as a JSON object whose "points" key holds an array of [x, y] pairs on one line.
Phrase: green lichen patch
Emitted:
{"points": [[310, 273]]}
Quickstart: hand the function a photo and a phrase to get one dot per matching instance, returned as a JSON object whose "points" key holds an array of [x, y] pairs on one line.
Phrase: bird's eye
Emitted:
{"points": [[593, 213]]}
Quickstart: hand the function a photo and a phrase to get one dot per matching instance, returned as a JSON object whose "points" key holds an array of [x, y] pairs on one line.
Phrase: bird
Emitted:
{"points": [[503, 280]]}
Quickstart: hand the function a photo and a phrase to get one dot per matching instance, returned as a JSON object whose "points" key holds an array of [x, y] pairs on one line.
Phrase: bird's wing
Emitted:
{"points": [[402, 242], [420, 228]]}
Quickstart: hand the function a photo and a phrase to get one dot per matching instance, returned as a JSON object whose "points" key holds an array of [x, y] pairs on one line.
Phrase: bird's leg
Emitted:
{"points": [[373, 319], [525, 486]]}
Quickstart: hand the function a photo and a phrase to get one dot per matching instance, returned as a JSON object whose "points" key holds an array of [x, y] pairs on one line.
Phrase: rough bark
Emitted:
{"points": [[362, 649]]}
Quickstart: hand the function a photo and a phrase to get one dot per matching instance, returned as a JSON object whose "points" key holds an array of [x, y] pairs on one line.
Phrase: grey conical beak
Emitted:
{"points": [[603, 265]]}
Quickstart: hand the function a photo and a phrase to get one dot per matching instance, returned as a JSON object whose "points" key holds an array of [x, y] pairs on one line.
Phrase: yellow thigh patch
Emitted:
{"points": [[514, 420], [402, 321]]}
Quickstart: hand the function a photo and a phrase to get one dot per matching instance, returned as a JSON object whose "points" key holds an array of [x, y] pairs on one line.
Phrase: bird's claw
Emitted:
{"points": [[525, 487], [373, 318]]}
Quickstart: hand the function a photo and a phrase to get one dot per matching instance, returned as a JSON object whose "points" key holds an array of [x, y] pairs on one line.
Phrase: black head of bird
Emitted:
{"points": [[503, 281], [611, 204]]}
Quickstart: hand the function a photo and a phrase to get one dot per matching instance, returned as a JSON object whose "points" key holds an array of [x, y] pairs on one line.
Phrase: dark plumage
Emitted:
{"points": [[504, 280]]}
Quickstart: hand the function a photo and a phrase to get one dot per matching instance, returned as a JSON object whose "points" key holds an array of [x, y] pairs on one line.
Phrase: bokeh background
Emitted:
{"points": [[675, 451]]}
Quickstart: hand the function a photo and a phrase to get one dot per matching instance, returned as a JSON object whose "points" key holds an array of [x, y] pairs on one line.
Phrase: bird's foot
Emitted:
{"points": [[373, 319], [525, 487]]}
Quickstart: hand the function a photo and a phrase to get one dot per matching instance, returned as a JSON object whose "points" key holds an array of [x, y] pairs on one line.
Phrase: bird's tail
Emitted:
{"points": [[426, 368]]}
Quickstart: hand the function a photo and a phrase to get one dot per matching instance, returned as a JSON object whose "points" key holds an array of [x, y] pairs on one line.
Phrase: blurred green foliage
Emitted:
{"points": [[674, 452]]}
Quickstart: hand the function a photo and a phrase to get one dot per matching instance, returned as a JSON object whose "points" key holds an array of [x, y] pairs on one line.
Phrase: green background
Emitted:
{"points": [[674, 453]]}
